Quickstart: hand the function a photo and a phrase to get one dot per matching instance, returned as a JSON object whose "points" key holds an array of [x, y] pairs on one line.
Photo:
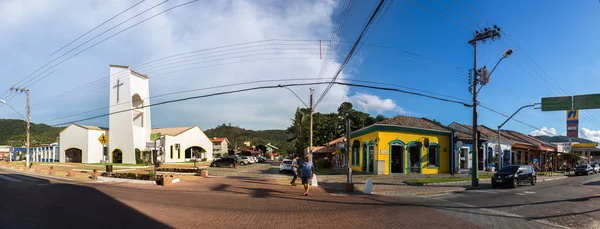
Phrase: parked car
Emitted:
{"points": [[262, 159], [224, 162], [514, 175], [254, 159], [596, 168], [286, 165], [251, 159], [584, 169], [244, 160]]}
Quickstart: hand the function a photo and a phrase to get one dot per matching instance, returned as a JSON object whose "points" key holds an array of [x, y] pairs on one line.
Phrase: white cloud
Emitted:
{"points": [[593, 135], [544, 131], [369, 102], [201, 25]]}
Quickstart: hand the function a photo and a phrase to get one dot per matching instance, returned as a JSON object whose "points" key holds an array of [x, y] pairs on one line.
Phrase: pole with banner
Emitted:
{"points": [[154, 137]]}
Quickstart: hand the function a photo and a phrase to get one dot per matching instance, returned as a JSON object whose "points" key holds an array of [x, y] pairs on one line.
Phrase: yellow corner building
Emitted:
{"points": [[402, 145]]}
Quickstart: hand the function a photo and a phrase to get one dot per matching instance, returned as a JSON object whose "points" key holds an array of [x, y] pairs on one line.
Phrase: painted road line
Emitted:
{"points": [[520, 194], [7, 178], [528, 192]]}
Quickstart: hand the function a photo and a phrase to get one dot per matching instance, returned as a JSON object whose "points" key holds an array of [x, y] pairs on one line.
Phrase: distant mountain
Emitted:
{"points": [[278, 138], [553, 139], [14, 131]]}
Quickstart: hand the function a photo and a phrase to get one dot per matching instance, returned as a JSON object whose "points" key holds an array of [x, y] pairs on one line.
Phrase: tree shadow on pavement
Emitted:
{"points": [[68, 206], [593, 183]]}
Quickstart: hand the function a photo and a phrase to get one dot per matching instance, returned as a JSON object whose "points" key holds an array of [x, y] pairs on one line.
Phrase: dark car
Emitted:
{"points": [[224, 162], [584, 169], [514, 175]]}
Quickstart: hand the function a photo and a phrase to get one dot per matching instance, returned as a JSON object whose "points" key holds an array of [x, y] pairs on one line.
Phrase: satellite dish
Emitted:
{"points": [[459, 144]]}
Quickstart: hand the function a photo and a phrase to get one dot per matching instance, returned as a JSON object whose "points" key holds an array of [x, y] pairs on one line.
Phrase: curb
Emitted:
{"points": [[437, 192], [108, 179], [42, 175], [551, 179]]}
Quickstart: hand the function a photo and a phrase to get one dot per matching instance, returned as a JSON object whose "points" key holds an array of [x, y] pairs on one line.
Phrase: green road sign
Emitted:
{"points": [[155, 136], [557, 103], [591, 101]]}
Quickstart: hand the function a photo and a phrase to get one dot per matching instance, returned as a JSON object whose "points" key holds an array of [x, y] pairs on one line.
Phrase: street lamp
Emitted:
{"points": [[310, 108]]}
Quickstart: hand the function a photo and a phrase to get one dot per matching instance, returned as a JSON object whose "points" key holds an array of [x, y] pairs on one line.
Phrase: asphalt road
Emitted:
{"points": [[573, 202]]}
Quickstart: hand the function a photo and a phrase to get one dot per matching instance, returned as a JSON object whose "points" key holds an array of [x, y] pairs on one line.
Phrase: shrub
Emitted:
{"points": [[178, 170], [133, 176], [203, 159]]}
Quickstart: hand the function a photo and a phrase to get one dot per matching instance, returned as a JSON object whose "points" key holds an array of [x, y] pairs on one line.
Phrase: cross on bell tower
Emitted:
{"points": [[119, 84]]}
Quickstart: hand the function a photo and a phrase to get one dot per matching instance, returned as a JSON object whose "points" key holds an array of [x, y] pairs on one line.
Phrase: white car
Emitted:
{"points": [[251, 159], [286, 165]]}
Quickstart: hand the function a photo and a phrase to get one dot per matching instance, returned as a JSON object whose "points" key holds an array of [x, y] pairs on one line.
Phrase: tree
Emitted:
{"points": [[380, 118]]}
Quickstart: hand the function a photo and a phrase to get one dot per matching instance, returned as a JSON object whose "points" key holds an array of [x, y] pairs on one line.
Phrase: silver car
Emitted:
{"points": [[244, 161]]}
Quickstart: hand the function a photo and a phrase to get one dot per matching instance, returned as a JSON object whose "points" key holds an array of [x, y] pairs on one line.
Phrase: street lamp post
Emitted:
{"points": [[310, 108], [482, 35], [499, 149]]}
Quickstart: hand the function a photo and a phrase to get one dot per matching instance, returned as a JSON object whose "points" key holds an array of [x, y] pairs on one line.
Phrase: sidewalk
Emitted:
{"points": [[394, 185]]}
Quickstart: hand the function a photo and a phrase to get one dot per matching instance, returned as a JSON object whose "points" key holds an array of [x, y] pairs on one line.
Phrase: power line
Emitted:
{"points": [[351, 53], [155, 15], [497, 112], [588, 117], [453, 11], [441, 15], [271, 87], [113, 17], [49, 62], [245, 83]]}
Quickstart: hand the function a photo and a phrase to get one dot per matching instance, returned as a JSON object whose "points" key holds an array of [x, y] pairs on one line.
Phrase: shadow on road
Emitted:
{"points": [[68, 206]]}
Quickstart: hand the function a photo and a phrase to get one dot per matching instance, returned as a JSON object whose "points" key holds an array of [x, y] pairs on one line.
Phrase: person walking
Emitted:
{"points": [[307, 169], [294, 171]]}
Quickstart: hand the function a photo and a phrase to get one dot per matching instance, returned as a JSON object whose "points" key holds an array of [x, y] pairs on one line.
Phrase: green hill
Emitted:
{"points": [[234, 134], [13, 131]]}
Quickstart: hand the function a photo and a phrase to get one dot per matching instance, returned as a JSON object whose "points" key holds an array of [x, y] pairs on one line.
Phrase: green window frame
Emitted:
{"points": [[436, 157]]}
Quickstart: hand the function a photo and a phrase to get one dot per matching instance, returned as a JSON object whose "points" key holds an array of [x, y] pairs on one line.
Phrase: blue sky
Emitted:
{"points": [[559, 37]]}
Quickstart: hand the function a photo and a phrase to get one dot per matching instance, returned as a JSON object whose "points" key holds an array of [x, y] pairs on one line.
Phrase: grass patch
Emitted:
{"points": [[323, 171], [114, 164], [431, 180]]}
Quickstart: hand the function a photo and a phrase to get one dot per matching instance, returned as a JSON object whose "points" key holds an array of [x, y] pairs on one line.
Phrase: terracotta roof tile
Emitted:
{"points": [[215, 139], [408, 121]]}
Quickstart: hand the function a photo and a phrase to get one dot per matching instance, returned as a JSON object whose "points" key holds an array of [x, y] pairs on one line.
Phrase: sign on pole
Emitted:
{"points": [[573, 123], [103, 139], [561, 103], [591, 101]]}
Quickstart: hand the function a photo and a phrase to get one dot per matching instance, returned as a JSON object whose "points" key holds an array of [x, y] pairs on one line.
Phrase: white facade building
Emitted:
{"points": [[180, 143], [79, 143], [130, 126]]}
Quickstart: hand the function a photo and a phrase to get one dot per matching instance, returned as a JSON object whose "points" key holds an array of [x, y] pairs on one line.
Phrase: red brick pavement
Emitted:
{"points": [[255, 203]]}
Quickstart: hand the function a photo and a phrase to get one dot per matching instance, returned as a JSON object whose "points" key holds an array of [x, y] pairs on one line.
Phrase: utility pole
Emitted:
{"points": [[482, 35], [311, 122], [28, 118], [349, 178]]}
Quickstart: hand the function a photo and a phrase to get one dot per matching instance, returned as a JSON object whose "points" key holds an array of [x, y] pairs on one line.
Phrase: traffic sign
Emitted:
{"points": [[561, 103], [591, 101], [103, 139], [568, 148]]}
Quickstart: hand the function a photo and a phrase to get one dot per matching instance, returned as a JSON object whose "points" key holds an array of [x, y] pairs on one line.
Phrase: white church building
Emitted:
{"points": [[130, 128]]}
